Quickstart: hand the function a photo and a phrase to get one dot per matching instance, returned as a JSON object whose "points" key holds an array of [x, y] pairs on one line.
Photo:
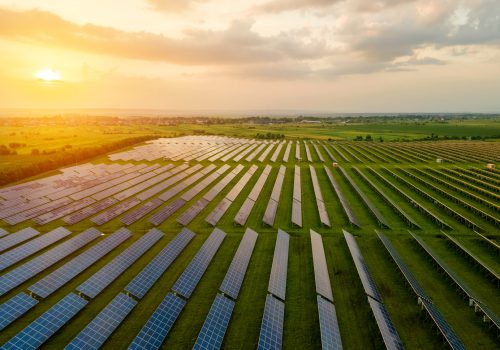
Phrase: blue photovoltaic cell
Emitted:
{"points": [[21, 252], [41, 329], [365, 276], [187, 282], [277, 280], [328, 325], [385, 325], [271, 330], [236, 272], [55, 280], [15, 307], [102, 278], [150, 274], [17, 237], [26, 271], [159, 324], [212, 333], [104, 324]]}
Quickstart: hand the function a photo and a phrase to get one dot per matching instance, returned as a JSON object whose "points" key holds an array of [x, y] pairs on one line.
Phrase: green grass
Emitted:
{"points": [[301, 329]]}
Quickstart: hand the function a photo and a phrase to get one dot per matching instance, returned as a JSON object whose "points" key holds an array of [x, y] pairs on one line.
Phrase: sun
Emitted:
{"points": [[48, 74]]}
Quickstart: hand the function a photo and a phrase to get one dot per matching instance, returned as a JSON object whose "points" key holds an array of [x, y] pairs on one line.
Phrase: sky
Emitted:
{"points": [[304, 55]]}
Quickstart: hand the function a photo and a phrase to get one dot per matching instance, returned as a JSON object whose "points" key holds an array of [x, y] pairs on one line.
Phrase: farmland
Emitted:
{"points": [[393, 188]]}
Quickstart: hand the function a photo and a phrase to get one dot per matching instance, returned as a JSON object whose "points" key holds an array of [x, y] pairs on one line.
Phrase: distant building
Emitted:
{"points": [[439, 160], [490, 166]]}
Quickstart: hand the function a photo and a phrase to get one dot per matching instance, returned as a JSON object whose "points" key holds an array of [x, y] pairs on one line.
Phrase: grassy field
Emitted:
{"points": [[301, 330]]}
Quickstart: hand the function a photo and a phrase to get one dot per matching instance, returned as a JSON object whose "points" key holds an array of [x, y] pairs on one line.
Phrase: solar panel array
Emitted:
{"points": [[214, 328], [33, 267], [441, 323], [329, 328], [42, 328], [286, 155], [102, 278], [214, 217], [56, 279], [189, 279], [320, 204], [139, 286], [272, 205], [384, 322], [29, 248], [297, 198], [244, 212], [163, 318], [102, 326]]}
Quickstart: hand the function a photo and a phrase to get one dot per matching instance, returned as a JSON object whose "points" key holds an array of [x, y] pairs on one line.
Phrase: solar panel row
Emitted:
{"points": [[89, 211], [113, 212], [245, 210], [156, 267], [102, 326], [368, 203], [320, 204], [345, 204], [139, 213], [23, 251], [236, 273], [13, 308], [189, 279], [17, 237], [308, 152], [214, 217], [272, 205], [297, 199], [56, 279], [277, 279], [286, 155], [271, 329], [33, 267], [328, 325], [102, 278], [276, 152], [384, 322], [164, 213]]}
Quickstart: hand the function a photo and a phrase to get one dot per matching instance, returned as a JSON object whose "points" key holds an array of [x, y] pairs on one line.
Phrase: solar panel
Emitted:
{"points": [[156, 267], [417, 288], [212, 333], [102, 278], [159, 324], [365, 276], [328, 325], [103, 325], [271, 330], [297, 212], [270, 213], [323, 215], [17, 237], [140, 212], [31, 268], [186, 217], [55, 280], [445, 329], [15, 307], [41, 329], [321, 277], [115, 211], [216, 214], [23, 251], [287, 152], [277, 280], [345, 204], [236, 272], [385, 325], [3, 232], [187, 282]]}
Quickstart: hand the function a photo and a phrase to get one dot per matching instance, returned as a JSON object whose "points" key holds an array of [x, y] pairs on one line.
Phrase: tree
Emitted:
{"points": [[368, 137]]}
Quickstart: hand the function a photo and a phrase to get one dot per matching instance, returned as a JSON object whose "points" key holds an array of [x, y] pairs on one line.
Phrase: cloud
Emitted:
{"points": [[172, 6], [236, 45], [277, 6]]}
